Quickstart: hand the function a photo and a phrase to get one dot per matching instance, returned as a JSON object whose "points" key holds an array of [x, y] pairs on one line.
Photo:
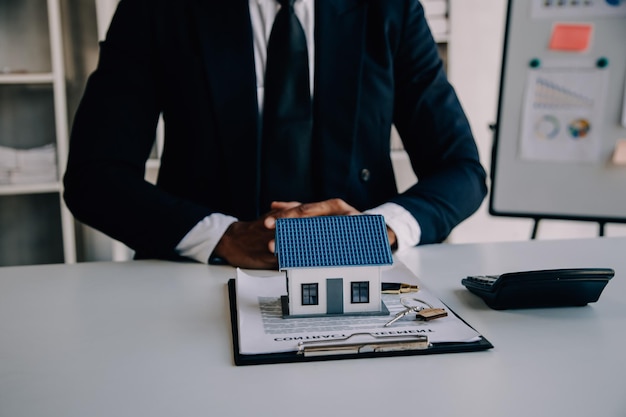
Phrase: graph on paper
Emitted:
{"points": [[560, 114]]}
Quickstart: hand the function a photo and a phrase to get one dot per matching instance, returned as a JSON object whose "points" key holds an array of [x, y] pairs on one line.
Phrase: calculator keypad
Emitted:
{"points": [[486, 280]]}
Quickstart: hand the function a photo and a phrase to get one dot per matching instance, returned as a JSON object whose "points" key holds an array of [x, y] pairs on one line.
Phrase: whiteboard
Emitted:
{"points": [[560, 135]]}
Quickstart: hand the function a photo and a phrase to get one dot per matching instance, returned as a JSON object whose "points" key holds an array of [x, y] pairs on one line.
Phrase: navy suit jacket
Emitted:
{"points": [[192, 60]]}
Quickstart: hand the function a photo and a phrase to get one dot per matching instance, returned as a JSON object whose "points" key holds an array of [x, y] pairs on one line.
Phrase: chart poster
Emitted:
{"points": [[562, 115]]}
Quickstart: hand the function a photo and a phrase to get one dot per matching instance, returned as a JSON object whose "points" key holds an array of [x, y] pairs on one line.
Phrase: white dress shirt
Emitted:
{"points": [[200, 242]]}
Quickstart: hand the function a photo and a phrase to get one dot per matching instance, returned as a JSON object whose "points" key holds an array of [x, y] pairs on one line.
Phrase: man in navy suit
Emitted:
{"points": [[200, 64]]}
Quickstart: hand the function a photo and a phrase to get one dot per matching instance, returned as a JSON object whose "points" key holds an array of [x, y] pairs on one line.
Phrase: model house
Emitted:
{"points": [[333, 264]]}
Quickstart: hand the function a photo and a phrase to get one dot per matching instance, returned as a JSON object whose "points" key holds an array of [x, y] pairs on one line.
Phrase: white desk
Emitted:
{"points": [[153, 339]]}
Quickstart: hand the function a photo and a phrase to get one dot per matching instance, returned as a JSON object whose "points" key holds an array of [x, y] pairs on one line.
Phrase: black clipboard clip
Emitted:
{"points": [[380, 344]]}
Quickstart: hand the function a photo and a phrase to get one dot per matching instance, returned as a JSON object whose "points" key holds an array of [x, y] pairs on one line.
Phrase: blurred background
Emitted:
{"points": [[49, 47]]}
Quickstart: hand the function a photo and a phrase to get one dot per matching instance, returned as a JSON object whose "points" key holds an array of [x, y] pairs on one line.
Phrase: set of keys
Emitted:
{"points": [[422, 313]]}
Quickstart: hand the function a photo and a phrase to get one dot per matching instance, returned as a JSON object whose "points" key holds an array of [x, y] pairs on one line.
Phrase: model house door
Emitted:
{"points": [[334, 295]]}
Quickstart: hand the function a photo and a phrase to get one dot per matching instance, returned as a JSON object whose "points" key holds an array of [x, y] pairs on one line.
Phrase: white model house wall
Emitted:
{"points": [[297, 277]]}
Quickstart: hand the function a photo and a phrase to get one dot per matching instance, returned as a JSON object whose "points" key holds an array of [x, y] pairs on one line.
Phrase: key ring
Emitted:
{"points": [[424, 314], [407, 302]]}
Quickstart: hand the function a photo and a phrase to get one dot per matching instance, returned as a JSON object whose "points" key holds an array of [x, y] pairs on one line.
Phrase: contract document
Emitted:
{"points": [[263, 330]]}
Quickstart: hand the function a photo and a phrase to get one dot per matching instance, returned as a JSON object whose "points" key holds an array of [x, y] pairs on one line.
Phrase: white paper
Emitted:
{"points": [[562, 114], [262, 329], [28, 166]]}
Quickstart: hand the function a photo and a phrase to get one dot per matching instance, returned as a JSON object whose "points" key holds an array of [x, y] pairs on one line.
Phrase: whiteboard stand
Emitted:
{"points": [[559, 122]]}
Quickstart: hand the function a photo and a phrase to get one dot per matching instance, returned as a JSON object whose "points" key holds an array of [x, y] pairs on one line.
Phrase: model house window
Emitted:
{"points": [[309, 294], [360, 292]]}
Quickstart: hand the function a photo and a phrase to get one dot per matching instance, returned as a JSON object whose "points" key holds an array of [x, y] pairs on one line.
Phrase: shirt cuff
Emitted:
{"points": [[401, 221], [199, 242]]}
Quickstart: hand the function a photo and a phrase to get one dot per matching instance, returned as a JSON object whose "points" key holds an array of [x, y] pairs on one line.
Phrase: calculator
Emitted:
{"points": [[540, 288]]}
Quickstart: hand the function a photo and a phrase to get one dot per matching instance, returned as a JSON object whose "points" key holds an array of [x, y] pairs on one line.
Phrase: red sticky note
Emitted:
{"points": [[571, 37]]}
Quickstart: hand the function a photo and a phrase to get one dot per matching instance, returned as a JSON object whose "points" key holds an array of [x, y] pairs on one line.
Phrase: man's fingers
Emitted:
{"points": [[332, 207], [277, 206], [272, 246], [245, 245], [284, 205]]}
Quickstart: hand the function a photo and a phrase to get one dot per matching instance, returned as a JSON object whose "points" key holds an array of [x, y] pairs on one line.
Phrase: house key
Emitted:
{"points": [[401, 314], [409, 309]]}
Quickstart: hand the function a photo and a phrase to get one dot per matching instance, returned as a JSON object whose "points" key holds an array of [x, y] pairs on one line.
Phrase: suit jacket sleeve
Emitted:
{"points": [[112, 136], [436, 135]]}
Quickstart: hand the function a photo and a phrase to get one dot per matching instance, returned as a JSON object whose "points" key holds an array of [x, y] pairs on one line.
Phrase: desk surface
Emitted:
{"points": [[151, 338]]}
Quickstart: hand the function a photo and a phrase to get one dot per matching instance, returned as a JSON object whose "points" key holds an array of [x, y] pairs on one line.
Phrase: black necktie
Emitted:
{"points": [[287, 113]]}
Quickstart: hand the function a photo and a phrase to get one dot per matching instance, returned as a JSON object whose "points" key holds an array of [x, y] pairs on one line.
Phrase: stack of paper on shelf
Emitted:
{"points": [[28, 166]]}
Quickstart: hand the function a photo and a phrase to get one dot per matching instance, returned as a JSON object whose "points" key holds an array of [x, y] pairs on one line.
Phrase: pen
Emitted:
{"points": [[397, 288]]}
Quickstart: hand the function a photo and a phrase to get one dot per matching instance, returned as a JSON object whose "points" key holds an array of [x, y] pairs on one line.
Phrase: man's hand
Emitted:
{"points": [[333, 207], [251, 244], [247, 244]]}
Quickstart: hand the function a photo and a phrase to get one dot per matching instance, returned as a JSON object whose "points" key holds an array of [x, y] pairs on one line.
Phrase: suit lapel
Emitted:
{"points": [[225, 35], [339, 37]]}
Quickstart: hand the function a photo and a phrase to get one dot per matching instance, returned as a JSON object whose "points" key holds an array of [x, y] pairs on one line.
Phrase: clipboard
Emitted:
{"points": [[288, 357]]}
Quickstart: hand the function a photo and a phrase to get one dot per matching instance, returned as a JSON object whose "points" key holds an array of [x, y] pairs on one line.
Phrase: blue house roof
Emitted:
{"points": [[332, 241]]}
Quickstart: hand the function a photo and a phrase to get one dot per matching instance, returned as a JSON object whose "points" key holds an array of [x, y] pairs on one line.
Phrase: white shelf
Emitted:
{"points": [[34, 78], [11, 189], [32, 54]]}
